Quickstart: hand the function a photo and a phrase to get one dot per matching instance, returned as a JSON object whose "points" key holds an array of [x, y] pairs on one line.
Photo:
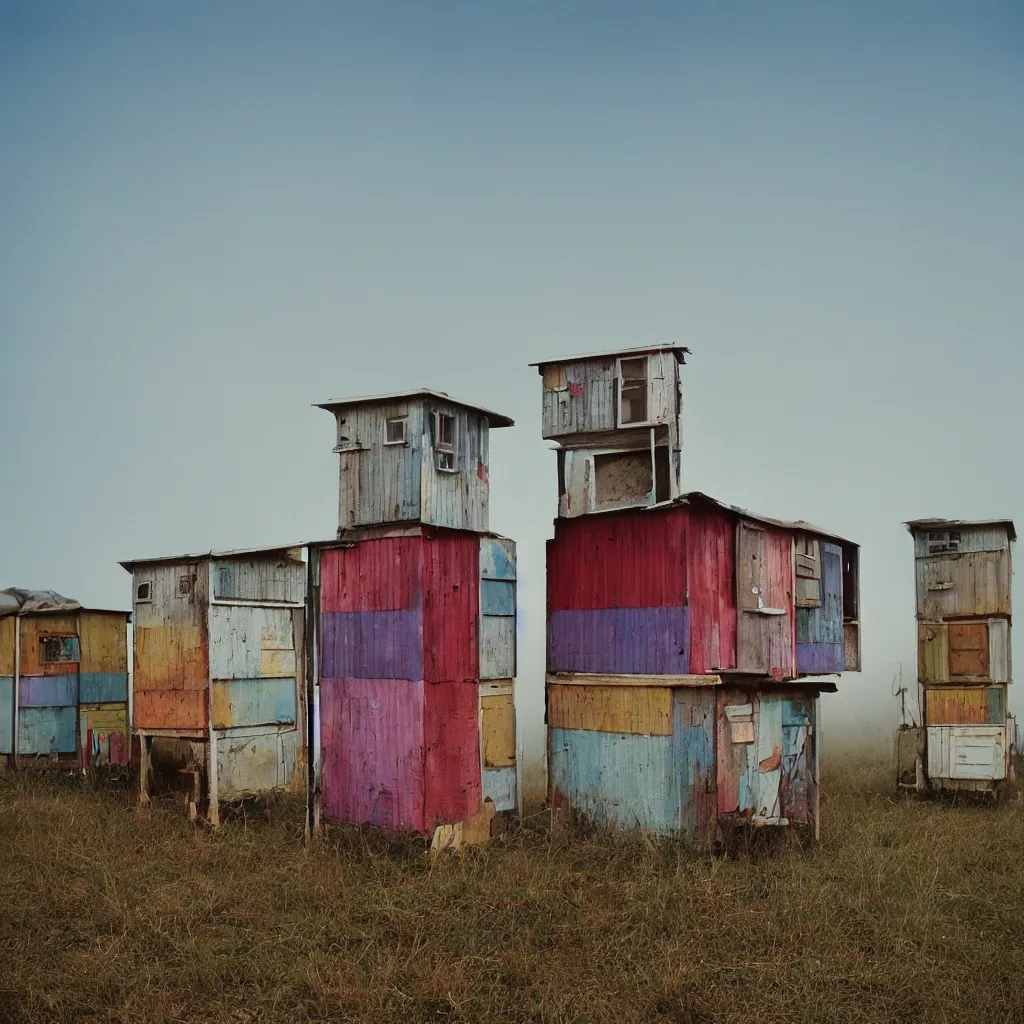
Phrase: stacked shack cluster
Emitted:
{"points": [[687, 639], [963, 576], [683, 635]]}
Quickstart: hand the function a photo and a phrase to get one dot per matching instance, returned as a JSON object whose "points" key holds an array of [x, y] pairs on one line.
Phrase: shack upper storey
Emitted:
{"points": [[615, 416], [413, 456], [963, 567]]}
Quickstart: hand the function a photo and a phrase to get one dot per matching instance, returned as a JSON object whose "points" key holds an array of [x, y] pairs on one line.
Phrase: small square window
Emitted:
{"points": [[395, 430], [185, 584], [446, 442], [144, 592], [633, 391], [58, 649], [942, 542]]}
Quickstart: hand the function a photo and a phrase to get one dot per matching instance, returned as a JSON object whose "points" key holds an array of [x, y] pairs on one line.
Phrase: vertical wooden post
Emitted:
{"points": [[144, 761]]}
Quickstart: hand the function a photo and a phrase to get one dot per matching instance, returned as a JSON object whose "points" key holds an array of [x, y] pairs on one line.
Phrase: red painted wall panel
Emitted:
{"points": [[373, 576], [633, 559], [451, 738], [451, 569], [711, 559]]}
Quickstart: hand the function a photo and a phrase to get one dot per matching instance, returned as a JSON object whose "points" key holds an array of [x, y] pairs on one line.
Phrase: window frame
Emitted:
{"points": [[620, 390], [148, 599], [443, 449], [404, 439]]}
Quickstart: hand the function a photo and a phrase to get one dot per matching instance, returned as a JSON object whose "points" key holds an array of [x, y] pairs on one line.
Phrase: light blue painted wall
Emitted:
{"points": [[47, 730], [262, 702], [103, 688], [617, 778], [500, 785]]}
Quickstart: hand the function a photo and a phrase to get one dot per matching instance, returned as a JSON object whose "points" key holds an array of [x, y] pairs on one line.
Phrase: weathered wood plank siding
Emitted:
{"points": [[451, 595], [457, 500], [372, 761], [379, 483], [819, 631], [693, 758], [620, 709], [973, 583], [171, 676], [965, 705], [7, 714], [451, 741], [766, 638], [615, 778], [497, 608], [581, 397], [263, 580], [711, 590]]}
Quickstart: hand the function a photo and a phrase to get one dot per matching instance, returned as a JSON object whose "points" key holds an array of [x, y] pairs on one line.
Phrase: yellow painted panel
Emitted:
{"points": [[277, 663], [221, 699], [104, 640], [645, 710], [933, 652], [498, 730], [7, 646], [33, 629], [170, 657], [105, 719]]}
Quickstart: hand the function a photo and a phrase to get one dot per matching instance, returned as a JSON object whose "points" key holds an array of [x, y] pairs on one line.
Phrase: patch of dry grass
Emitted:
{"points": [[906, 911]]}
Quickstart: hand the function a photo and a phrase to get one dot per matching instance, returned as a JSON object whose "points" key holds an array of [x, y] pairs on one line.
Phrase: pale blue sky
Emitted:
{"points": [[214, 217]]}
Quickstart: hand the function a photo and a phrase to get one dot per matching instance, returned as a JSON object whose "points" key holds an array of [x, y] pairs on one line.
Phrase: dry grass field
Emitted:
{"points": [[906, 911]]}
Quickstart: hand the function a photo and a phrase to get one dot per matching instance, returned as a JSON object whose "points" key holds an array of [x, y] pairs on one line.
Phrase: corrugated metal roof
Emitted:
{"points": [[201, 555], [946, 524], [680, 350], [496, 419], [696, 497]]}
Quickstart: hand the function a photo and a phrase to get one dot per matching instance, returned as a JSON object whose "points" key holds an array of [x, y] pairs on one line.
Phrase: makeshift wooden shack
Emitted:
{"points": [[686, 638], [63, 679], [963, 575], [416, 626], [218, 663]]}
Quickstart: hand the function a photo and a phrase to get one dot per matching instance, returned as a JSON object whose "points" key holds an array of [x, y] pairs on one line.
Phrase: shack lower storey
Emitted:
{"points": [[966, 737], [693, 756]]}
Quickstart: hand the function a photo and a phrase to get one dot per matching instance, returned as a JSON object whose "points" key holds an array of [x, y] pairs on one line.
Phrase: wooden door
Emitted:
{"points": [[751, 638]]}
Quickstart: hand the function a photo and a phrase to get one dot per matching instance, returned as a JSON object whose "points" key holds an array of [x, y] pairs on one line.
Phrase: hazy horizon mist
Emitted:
{"points": [[216, 217]]}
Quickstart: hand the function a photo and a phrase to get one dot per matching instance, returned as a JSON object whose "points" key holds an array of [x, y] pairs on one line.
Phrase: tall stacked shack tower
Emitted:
{"points": [[684, 635], [963, 576], [414, 606]]}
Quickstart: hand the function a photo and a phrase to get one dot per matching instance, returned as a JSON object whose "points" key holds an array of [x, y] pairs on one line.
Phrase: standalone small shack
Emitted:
{"points": [[413, 457], [218, 664], [686, 637], [963, 582], [415, 607], [63, 679]]}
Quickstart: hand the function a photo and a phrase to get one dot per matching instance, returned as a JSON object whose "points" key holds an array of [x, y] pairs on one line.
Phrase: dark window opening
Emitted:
{"points": [[633, 391], [445, 442]]}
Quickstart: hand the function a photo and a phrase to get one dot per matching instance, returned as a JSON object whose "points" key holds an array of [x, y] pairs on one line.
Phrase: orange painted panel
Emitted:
{"points": [[33, 630], [968, 649], [104, 640], [171, 709], [171, 658], [965, 705], [7, 646]]}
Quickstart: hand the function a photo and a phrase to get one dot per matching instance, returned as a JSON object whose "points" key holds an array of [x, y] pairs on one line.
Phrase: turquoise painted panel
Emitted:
{"points": [[693, 726], [6, 714], [769, 744], [996, 711], [614, 778], [47, 730], [497, 559], [103, 687], [262, 701], [498, 597], [796, 711]]}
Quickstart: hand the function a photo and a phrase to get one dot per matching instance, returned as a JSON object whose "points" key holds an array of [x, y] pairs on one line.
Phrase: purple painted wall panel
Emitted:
{"points": [[373, 645], [620, 640], [372, 751], [48, 691], [815, 659]]}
